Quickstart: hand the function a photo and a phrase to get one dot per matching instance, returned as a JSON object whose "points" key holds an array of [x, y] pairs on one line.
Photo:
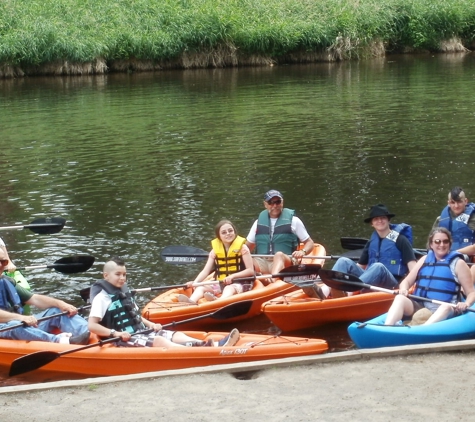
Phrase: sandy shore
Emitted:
{"points": [[427, 386]]}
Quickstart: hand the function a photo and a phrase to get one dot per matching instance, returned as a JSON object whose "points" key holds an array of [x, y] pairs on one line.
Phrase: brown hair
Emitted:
{"points": [[438, 230], [218, 226]]}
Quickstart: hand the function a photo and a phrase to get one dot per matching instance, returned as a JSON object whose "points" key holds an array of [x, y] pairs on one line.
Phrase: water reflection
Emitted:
{"points": [[138, 162]]}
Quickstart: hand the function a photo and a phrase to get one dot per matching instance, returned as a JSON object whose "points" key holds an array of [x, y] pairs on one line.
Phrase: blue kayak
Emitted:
{"points": [[374, 333]]}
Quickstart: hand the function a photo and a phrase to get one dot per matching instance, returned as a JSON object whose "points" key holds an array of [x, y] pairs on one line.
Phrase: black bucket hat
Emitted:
{"points": [[378, 210]]}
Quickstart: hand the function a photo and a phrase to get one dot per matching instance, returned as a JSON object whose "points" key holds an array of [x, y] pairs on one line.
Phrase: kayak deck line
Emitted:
{"points": [[328, 358]]}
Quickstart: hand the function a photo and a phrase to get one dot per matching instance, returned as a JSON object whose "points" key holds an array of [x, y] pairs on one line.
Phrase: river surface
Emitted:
{"points": [[137, 162]]}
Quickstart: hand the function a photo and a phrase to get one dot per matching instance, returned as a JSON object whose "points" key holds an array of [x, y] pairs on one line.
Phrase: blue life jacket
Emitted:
{"points": [[462, 234], [9, 299], [386, 252], [123, 313], [283, 240], [436, 279]]}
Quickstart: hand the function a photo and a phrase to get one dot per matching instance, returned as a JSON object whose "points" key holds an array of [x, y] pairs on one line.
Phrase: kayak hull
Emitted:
{"points": [[111, 360], [374, 334], [296, 311], [166, 309]]}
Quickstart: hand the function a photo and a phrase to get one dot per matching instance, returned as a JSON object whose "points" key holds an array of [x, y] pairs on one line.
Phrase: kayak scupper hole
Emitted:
{"points": [[246, 375]]}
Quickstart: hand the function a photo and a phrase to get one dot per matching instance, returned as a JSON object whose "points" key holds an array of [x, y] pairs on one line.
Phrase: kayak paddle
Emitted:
{"points": [[67, 265], [189, 255], [351, 283], [357, 243], [41, 225], [295, 274], [36, 360]]}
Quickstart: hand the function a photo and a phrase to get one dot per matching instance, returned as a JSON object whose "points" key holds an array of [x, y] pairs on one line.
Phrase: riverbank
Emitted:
{"points": [[427, 382], [66, 37]]}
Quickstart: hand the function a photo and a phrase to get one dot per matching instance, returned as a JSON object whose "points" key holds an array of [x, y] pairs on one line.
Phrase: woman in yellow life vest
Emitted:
{"points": [[230, 258]]}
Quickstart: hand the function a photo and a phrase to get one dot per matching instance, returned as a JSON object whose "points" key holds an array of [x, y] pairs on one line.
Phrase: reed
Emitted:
{"points": [[84, 36]]}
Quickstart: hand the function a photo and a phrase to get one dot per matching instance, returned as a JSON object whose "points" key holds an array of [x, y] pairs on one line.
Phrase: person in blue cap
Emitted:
{"points": [[277, 231]]}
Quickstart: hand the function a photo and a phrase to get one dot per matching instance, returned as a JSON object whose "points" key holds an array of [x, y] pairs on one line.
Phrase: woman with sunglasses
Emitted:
{"points": [[230, 258], [440, 275]]}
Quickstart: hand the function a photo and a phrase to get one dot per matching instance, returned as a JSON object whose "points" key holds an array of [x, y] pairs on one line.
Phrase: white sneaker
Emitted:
{"points": [[64, 338]]}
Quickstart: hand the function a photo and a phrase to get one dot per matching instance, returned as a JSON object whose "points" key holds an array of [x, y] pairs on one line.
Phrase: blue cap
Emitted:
{"points": [[271, 194]]}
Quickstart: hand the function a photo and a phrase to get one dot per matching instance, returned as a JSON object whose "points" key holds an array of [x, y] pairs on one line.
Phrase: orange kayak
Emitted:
{"points": [[166, 308], [112, 360], [297, 311]]}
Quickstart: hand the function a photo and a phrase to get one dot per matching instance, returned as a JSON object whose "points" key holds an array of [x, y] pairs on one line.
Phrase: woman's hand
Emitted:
{"points": [[461, 307], [403, 292], [228, 280], [189, 284]]}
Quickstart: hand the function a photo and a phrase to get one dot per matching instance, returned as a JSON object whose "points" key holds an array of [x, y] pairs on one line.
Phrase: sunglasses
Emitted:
{"points": [[275, 202], [4, 262], [439, 241]]}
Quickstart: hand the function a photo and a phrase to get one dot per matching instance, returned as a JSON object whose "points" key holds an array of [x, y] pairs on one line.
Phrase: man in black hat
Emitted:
{"points": [[277, 231], [387, 257]]}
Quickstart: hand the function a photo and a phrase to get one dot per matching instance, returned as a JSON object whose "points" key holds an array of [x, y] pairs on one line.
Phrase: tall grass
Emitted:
{"points": [[35, 34]]}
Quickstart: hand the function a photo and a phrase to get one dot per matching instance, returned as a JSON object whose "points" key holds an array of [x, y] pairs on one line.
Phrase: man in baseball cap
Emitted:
{"points": [[277, 231]]}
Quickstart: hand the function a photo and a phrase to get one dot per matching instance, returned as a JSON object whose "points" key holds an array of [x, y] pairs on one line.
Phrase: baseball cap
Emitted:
{"points": [[271, 194]]}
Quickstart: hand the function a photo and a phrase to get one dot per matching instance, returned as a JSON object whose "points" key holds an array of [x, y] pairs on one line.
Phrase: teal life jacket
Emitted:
{"points": [[123, 313], [283, 240]]}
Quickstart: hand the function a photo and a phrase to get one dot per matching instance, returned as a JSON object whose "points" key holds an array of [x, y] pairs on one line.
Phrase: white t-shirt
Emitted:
{"points": [[297, 228], [100, 305]]}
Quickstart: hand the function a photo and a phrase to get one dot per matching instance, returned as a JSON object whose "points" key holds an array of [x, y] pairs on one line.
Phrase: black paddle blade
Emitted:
{"points": [[180, 255], [341, 281], [85, 294], [31, 362], [354, 254], [46, 225], [353, 243], [233, 310], [73, 264]]}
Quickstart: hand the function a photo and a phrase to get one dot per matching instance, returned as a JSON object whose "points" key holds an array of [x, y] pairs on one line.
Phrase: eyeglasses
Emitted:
{"points": [[4, 262], [275, 202], [439, 241]]}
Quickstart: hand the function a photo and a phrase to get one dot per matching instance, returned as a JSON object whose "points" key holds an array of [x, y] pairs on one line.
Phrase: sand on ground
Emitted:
{"points": [[436, 386]]}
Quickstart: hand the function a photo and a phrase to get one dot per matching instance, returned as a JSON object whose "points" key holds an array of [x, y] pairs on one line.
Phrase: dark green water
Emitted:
{"points": [[139, 162]]}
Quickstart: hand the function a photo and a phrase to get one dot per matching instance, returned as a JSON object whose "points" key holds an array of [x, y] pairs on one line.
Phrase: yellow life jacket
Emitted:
{"points": [[230, 263]]}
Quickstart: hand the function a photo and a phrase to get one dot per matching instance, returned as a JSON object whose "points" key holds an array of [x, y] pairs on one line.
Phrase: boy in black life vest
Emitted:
{"points": [[114, 313]]}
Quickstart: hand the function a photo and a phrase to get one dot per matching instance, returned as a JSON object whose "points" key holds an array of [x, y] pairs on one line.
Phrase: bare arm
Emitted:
{"points": [[250, 245], [410, 279], [468, 250], [207, 270], [465, 279], [6, 316], [44, 302]]}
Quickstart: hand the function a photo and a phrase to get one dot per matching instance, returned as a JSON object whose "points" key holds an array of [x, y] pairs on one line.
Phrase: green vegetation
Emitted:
{"points": [[54, 36]]}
